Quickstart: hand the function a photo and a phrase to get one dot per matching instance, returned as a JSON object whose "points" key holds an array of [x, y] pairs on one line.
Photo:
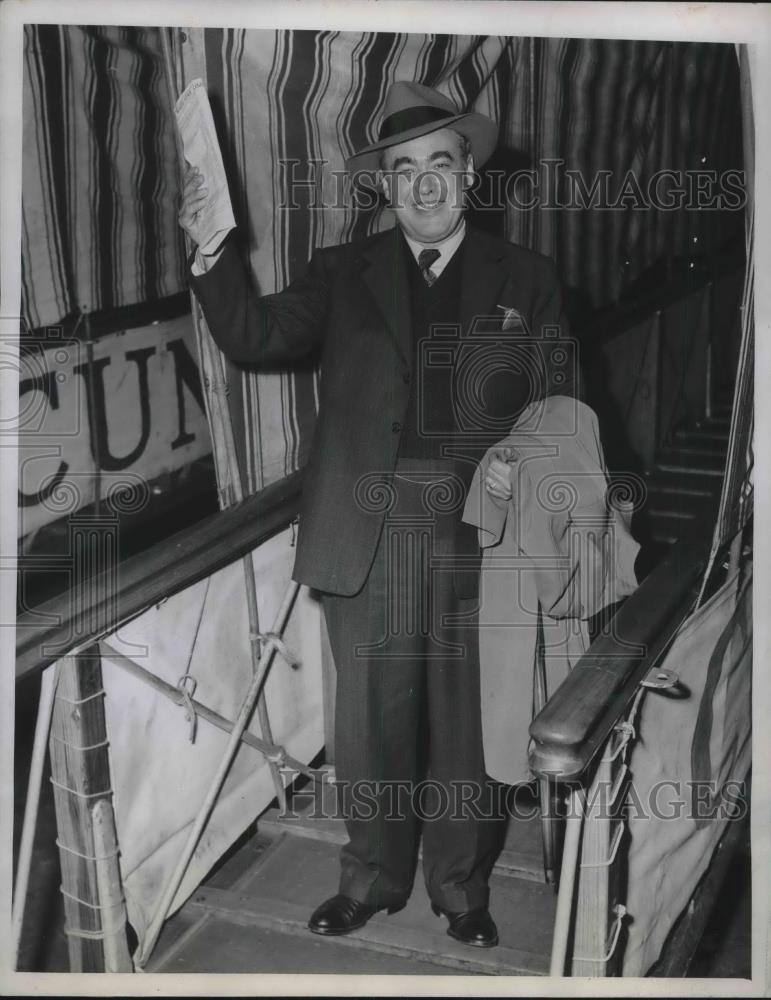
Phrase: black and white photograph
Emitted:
{"points": [[380, 440]]}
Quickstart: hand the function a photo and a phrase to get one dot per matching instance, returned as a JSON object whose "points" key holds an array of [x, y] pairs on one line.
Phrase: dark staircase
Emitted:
{"points": [[684, 485]]}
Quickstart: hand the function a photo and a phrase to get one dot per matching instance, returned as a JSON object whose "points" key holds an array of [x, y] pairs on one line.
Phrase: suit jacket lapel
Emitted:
{"points": [[384, 270], [385, 274], [483, 276]]}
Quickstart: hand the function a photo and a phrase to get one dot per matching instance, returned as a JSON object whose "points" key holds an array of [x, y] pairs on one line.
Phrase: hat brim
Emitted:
{"points": [[481, 132]]}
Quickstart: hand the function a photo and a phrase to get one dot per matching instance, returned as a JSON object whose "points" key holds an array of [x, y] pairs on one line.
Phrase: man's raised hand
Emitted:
{"points": [[193, 199]]}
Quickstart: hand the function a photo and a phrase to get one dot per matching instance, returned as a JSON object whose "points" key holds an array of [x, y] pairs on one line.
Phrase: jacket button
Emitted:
{"points": [[396, 426], [406, 377]]}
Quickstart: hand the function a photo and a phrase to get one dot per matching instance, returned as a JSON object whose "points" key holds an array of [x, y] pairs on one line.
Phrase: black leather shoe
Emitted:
{"points": [[475, 927], [341, 915]]}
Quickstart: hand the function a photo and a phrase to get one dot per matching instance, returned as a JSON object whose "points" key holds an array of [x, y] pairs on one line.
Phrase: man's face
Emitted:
{"points": [[423, 181]]}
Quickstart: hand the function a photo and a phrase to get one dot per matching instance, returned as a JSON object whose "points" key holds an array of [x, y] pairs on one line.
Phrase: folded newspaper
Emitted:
{"points": [[201, 149]]}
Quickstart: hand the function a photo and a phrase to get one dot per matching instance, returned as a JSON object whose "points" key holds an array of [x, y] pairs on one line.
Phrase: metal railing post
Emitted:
{"points": [[562, 920]]}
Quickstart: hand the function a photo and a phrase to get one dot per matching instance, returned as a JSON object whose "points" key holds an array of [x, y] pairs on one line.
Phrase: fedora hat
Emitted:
{"points": [[412, 110]]}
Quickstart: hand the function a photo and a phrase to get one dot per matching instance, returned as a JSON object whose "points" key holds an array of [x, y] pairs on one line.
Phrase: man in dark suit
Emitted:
{"points": [[432, 338]]}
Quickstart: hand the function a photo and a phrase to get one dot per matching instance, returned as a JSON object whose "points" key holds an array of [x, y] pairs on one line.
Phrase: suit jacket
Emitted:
{"points": [[352, 308]]}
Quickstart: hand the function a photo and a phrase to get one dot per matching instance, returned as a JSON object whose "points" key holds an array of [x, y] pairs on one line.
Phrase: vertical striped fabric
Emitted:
{"points": [[620, 106], [287, 103], [100, 181], [99, 193]]}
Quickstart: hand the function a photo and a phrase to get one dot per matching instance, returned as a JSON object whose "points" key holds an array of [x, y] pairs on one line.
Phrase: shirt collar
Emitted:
{"points": [[446, 248]]}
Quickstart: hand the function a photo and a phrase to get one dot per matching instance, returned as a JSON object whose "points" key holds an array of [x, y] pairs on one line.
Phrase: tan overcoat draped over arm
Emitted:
{"points": [[553, 556]]}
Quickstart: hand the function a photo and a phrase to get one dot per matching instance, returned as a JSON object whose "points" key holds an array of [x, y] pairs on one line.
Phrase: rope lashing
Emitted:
{"points": [[220, 386], [80, 701], [86, 857], [278, 644], [186, 685], [617, 838], [276, 755], [636, 705], [79, 932], [627, 733], [81, 795], [84, 902], [620, 910], [74, 746]]}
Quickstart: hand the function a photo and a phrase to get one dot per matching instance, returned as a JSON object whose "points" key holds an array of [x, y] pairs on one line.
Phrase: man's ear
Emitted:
{"points": [[383, 182], [469, 175]]}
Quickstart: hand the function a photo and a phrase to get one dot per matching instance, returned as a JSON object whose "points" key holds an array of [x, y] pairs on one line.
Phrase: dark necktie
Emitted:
{"points": [[425, 259]]}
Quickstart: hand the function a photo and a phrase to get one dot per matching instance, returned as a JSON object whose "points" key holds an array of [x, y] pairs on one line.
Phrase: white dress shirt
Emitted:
{"points": [[446, 248]]}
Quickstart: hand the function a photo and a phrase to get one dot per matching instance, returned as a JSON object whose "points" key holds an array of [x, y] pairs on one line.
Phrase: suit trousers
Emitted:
{"points": [[408, 739]]}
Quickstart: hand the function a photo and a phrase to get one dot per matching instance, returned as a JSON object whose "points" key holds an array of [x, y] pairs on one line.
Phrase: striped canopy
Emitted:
{"points": [[101, 184]]}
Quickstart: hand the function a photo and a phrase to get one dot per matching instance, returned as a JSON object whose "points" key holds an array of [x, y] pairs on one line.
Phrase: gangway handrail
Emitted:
{"points": [[47, 632], [619, 317], [579, 717]]}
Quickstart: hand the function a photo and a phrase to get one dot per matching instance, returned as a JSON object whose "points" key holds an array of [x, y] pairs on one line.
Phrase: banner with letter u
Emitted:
{"points": [[98, 419]]}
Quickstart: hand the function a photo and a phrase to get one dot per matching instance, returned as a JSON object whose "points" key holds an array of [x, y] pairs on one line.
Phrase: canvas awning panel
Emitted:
{"points": [[688, 767], [160, 777]]}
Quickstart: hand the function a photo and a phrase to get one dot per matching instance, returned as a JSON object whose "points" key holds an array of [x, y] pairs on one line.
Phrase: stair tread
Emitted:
{"points": [[714, 422], [693, 456], [283, 886], [692, 494], [668, 529], [707, 445], [698, 434], [662, 480], [671, 464], [661, 512]]}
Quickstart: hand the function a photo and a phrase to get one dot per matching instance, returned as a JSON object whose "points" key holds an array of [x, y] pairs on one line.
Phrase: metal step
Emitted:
{"points": [[667, 527], [678, 500], [691, 465], [715, 422], [698, 434], [676, 513], [690, 485], [677, 497], [670, 513], [699, 442], [664, 539], [694, 455]]}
